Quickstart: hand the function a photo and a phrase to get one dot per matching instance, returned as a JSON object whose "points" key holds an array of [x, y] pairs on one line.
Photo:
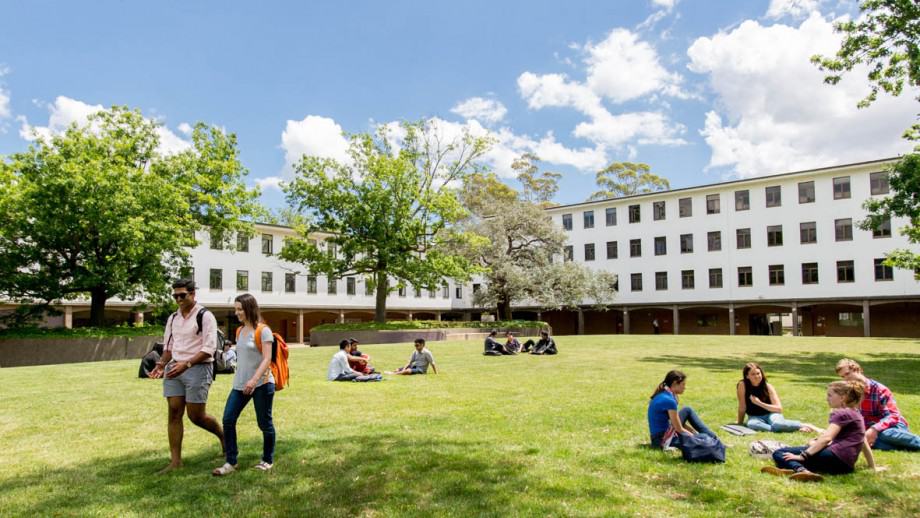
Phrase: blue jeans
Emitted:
{"points": [[686, 415], [898, 437], [822, 462], [262, 398], [772, 423]]}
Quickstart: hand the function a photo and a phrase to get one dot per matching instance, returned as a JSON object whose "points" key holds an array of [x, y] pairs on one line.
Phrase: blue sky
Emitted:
{"points": [[701, 91]]}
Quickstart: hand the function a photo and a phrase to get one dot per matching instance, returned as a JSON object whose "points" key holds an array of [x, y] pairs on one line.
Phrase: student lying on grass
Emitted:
{"points": [[419, 361], [759, 400], [836, 450]]}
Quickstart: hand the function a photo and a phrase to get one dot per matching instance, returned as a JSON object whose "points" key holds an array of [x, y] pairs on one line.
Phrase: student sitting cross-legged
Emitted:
{"points": [[760, 402], [339, 369], [667, 425], [419, 362]]}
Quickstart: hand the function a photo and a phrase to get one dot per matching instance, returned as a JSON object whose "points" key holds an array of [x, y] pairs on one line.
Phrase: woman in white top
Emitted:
{"points": [[253, 380]]}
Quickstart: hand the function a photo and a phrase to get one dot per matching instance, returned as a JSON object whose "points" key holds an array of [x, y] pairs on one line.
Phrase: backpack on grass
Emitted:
{"points": [[279, 364], [702, 448]]}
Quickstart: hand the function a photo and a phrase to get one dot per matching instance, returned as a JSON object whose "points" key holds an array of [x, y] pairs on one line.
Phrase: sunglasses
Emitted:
{"points": [[180, 296]]}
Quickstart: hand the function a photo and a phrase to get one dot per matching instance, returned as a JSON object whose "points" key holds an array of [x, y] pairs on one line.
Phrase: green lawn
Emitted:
{"points": [[509, 436]]}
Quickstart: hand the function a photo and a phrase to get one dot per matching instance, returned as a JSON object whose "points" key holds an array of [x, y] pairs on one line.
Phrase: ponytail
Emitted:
{"points": [[670, 378], [852, 391]]}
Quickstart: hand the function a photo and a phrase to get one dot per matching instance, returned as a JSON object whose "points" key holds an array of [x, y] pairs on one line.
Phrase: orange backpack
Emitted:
{"points": [[279, 364]]}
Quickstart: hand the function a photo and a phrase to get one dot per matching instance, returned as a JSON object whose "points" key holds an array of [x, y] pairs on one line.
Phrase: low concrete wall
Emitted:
{"points": [[398, 336], [48, 351]]}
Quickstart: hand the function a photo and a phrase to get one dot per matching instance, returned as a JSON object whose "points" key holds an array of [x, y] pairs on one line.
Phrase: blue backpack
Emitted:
{"points": [[702, 448]]}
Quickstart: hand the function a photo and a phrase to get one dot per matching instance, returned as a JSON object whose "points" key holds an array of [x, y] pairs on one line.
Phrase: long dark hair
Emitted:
{"points": [[670, 378], [761, 390], [250, 308]]}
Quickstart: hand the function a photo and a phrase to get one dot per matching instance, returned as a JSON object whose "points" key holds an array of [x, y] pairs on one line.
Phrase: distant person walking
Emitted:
{"points": [[188, 352], [253, 381], [656, 326]]}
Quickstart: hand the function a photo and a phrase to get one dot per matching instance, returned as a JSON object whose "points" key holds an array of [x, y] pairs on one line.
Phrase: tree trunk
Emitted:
{"points": [[97, 307], [380, 309], [504, 310]]}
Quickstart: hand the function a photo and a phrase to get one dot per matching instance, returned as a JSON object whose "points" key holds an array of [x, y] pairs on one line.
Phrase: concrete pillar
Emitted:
{"points": [[675, 316], [437, 316], [138, 318], [625, 321], [581, 322], [410, 316], [866, 328], [795, 319], [731, 319], [300, 326], [341, 318], [68, 317], [540, 316]]}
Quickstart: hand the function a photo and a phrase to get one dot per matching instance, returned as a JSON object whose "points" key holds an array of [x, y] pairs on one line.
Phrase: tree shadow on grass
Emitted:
{"points": [[355, 475], [895, 370]]}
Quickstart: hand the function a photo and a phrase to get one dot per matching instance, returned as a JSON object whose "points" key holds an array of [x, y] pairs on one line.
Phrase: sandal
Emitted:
{"points": [[263, 466], [226, 469]]}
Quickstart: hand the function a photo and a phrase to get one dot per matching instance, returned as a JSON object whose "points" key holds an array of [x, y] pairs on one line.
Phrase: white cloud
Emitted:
{"points": [[488, 111], [793, 8], [314, 135], [667, 4], [774, 113], [170, 143], [270, 182], [623, 67], [185, 128]]}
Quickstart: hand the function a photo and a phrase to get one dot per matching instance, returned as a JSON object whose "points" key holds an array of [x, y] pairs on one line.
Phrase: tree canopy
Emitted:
{"points": [[388, 212], [97, 211], [626, 179]]}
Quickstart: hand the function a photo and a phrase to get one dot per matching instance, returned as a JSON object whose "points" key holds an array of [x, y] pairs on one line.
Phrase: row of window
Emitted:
{"points": [[268, 243], [216, 282], [776, 275], [808, 234], [878, 184]]}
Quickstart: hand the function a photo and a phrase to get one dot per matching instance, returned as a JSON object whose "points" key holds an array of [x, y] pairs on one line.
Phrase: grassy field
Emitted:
{"points": [[507, 436]]}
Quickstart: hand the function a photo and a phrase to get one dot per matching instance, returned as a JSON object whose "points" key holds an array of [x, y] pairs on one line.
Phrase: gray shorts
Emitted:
{"points": [[193, 384]]}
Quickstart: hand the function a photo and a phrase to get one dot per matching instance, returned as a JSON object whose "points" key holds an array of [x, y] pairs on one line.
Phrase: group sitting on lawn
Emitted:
{"points": [[493, 347]]}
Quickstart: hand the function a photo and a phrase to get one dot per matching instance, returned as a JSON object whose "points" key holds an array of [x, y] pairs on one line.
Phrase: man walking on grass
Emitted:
{"points": [[186, 368]]}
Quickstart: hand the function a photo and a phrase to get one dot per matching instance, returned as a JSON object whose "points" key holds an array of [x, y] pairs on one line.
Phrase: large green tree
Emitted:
{"points": [[886, 38], [626, 179], [97, 211], [388, 212], [538, 187], [518, 257]]}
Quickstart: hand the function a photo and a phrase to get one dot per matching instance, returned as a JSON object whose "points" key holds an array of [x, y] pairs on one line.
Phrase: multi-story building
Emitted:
{"points": [[738, 257]]}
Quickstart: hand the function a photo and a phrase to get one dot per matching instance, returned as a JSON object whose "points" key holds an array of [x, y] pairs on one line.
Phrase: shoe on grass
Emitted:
{"points": [[263, 466], [226, 469], [779, 472], [807, 476]]}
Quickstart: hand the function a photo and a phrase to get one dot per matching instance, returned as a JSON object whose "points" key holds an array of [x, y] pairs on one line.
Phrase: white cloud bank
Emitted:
{"points": [[793, 8], [314, 135], [487, 111], [774, 113]]}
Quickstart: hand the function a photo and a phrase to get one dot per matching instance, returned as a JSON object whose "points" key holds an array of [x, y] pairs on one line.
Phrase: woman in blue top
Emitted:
{"points": [[253, 380], [665, 423]]}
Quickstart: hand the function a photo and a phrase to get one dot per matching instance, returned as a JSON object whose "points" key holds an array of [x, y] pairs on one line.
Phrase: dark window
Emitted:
{"points": [[432, 293], [267, 282], [806, 192], [878, 183], [775, 235], [445, 291], [216, 279], [611, 215], [330, 249], [808, 232], [217, 240], [459, 292], [368, 287], [350, 286], [743, 236], [611, 249], [568, 253], [841, 188], [290, 283], [268, 244], [846, 272], [242, 280], [476, 287], [685, 207], [661, 246], [745, 276], [635, 282], [658, 210], [635, 248], [242, 243], [712, 204], [883, 229], [589, 251], [686, 243], [714, 241], [715, 277], [777, 274], [687, 280], [882, 271], [742, 200], [843, 229], [635, 214], [809, 273], [774, 196], [311, 284], [661, 281], [417, 292], [567, 221], [588, 218], [332, 287]]}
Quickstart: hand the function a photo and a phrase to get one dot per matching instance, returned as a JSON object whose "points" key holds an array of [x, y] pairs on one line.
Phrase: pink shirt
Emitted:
{"points": [[182, 337]]}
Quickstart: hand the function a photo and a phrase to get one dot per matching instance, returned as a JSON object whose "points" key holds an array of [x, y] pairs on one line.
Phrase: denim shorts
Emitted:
{"points": [[416, 370], [193, 384]]}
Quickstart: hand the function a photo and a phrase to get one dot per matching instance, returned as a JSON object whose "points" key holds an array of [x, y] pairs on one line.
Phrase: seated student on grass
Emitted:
{"points": [[667, 424], [759, 400], [492, 347], [511, 343], [338, 366], [357, 360], [886, 428], [419, 361], [834, 451], [545, 345]]}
